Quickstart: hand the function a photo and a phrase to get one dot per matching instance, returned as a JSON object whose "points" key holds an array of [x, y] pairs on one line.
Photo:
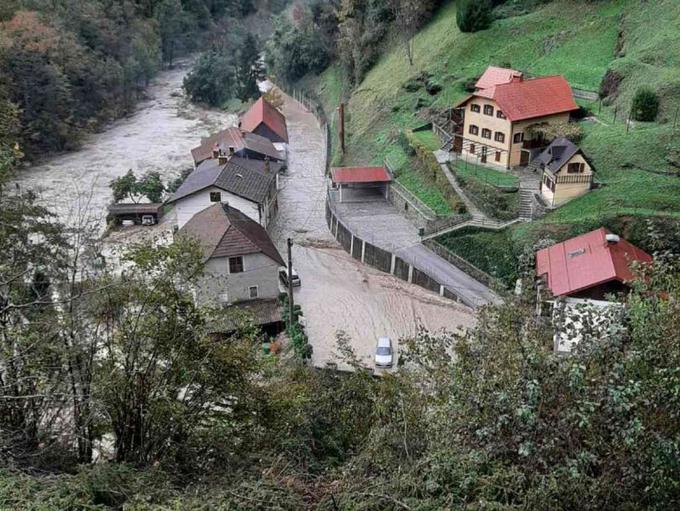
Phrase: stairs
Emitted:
{"points": [[526, 204]]}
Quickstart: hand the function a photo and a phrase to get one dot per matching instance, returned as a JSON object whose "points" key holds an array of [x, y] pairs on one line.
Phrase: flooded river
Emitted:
{"points": [[337, 292], [158, 136]]}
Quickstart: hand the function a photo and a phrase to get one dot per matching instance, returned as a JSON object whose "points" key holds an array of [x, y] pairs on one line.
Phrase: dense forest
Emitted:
{"points": [[70, 66]]}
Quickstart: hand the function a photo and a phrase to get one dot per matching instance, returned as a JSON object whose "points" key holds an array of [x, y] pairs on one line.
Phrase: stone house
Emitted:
{"points": [[245, 184], [241, 262], [498, 116], [566, 172]]}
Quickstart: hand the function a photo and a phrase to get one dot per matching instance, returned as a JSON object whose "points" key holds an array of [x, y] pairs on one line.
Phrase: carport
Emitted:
{"points": [[361, 183]]}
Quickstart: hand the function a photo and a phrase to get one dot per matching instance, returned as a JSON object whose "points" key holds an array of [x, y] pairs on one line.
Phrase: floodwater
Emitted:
{"points": [[339, 293], [158, 136]]}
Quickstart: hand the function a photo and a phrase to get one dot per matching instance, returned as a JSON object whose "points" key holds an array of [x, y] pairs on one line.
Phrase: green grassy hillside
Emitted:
{"points": [[638, 41]]}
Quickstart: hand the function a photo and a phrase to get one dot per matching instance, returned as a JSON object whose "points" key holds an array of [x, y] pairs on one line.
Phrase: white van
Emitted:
{"points": [[283, 275]]}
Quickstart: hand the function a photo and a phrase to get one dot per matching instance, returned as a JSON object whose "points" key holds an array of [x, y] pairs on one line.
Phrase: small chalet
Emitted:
{"points": [[265, 120], [139, 214], [359, 183], [499, 115], [236, 142], [566, 172], [589, 266], [247, 185], [241, 262]]}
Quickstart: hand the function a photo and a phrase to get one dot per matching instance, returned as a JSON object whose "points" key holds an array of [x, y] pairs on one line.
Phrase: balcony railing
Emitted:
{"points": [[574, 178]]}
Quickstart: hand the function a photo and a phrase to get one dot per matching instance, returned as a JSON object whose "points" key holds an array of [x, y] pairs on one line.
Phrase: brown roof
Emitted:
{"points": [[146, 208], [528, 99], [223, 231], [360, 175], [238, 139], [262, 112]]}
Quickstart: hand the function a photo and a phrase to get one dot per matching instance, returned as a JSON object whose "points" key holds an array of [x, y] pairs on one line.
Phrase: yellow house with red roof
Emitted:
{"points": [[498, 115]]}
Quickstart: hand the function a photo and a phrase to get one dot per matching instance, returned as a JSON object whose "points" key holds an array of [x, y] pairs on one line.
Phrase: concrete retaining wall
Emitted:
{"points": [[383, 260]]}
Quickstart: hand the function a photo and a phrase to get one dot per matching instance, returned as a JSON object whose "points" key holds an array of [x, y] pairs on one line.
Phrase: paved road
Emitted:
{"points": [[337, 292]]}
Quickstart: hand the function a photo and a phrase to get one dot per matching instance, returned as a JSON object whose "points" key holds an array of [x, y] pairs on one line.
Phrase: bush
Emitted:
{"points": [[645, 105], [473, 15]]}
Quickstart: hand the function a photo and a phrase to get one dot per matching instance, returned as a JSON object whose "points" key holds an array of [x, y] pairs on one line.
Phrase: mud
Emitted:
{"points": [[158, 136]]}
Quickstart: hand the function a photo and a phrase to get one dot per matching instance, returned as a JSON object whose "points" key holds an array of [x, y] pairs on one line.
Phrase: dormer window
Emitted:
{"points": [[474, 108], [488, 110]]}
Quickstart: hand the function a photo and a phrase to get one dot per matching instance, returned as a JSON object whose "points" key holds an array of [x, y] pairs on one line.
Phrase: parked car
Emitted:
{"points": [[383, 352], [283, 275]]}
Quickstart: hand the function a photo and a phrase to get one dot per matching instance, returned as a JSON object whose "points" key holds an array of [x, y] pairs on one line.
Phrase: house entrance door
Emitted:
{"points": [[483, 157], [524, 158]]}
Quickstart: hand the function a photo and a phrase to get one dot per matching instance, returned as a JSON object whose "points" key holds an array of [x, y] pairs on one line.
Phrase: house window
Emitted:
{"points": [[519, 137], [575, 168], [472, 148], [474, 130], [486, 133], [499, 137], [252, 292], [500, 114], [236, 264], [474, 108], [215, 196], [498, 156], [488, 110]]}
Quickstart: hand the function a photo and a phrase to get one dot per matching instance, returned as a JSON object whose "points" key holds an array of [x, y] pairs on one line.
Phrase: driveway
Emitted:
{"points": [[339, 294]]}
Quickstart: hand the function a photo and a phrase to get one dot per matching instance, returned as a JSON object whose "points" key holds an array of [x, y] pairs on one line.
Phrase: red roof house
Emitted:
{"points": [[345, 175], [265, 120], [236, 142], [496, 76], [589, 266]]}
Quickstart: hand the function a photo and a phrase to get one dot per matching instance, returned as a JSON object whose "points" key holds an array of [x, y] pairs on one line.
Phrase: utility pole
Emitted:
{"points": [[341, 131], [291, 305]]}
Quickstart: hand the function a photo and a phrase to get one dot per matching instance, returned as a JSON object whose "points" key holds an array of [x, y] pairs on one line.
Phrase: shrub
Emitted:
{"points": [[645, 105], [473, 15]]}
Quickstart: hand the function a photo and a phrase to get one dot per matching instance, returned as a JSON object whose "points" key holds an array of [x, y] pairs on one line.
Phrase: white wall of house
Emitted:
{"points": [[566, 191], [187, 207], [219, 287]]}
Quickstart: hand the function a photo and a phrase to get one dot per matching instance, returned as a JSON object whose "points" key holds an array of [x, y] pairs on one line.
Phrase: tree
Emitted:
{"points": [[129, 187], [473, 15], [645, 105], [249, 69], [409, 16], [213, 80], [171, 21]]}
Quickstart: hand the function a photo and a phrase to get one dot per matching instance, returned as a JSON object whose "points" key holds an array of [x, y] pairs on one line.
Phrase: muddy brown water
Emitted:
{"points": [[337, 292]]}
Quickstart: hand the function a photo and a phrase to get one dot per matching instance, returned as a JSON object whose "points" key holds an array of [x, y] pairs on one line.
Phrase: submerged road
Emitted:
{"points": [[339, 293]]}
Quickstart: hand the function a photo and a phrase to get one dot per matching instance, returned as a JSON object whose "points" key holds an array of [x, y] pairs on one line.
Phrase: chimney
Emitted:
{"points": [[267, 167], [223, 159], [612, 239], [516, 78], [232, 150], [216, 150]]}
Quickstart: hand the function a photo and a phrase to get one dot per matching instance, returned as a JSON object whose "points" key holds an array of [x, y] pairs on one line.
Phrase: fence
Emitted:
{"points": [[418, 212], [463, 265], [384, 260]]}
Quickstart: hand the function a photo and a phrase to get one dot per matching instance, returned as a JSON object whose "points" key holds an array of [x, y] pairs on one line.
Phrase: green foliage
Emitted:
{"points": [[645, 105], [213, 79], [129, 187], [294, 51], [473, 15]]}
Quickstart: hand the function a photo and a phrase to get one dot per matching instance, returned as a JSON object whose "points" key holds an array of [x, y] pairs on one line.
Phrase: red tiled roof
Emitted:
{"points": [[495, 76], [360, 175], [262, 112], [586, 261], [538, 97], [239, 140]]}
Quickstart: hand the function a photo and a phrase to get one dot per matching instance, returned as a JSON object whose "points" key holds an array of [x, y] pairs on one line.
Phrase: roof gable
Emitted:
{"points": [[262, 112], [243, 177], [586, 261], [558, 154], [496, 75], [223, 231]]}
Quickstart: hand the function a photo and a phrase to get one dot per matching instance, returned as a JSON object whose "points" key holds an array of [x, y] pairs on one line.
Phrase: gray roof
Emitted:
{"points": [[238, 139], [557, 154], [243, 177], [223, 231]]}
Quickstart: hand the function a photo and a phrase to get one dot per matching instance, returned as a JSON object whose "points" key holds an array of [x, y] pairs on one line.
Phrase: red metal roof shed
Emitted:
{"points": [[345, 175], [587, 261]]}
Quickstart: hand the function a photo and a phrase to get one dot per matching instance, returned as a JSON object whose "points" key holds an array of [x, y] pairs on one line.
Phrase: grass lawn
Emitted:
{"points": [[427, 192], [427, 139], [485, 175]]}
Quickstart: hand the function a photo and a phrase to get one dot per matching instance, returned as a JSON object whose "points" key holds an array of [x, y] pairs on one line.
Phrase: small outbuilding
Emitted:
{"points": [[360, 183], [140, 214], [567, 173]]}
